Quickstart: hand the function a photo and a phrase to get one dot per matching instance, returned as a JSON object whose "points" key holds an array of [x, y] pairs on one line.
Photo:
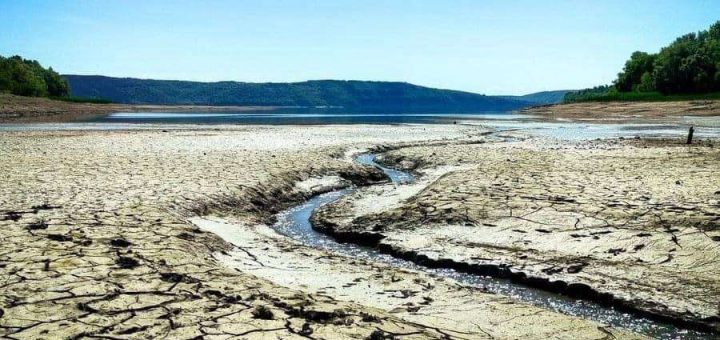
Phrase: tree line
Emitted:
{"points": [[348, 94], [25, 77], [688, 66]]}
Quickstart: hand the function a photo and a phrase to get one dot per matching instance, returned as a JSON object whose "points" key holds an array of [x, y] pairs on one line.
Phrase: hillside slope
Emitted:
{"points": [[542, 98], [347, 94]]}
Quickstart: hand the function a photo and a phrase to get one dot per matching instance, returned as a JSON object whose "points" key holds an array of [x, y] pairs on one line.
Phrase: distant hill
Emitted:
{"points": [[338, 93], [542, 98]]}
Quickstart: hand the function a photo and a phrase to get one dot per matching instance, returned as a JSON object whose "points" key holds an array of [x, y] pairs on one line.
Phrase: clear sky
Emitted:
{"points": [[484, 46]]}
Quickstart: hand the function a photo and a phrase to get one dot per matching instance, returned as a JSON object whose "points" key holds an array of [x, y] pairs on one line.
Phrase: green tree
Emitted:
{"points": [[28, 78], [690, 64], [639, 64], [646, 83]]}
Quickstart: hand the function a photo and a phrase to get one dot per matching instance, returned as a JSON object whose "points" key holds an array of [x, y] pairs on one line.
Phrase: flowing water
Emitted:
{"points": [[295, 223]]}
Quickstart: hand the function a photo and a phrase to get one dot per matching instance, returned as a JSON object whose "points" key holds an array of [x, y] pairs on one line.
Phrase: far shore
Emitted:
{"points": [[18, 109], [613, 112]]}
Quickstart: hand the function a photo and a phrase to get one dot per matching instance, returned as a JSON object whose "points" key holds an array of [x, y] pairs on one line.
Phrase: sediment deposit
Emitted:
{"points": [[630, 223], [97, 242], [100, 238], [623, 112], [18, 109]]}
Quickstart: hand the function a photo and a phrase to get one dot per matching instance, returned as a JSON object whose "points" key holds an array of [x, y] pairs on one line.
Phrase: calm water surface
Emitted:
{"points": [[706, 127], [290, 117]]}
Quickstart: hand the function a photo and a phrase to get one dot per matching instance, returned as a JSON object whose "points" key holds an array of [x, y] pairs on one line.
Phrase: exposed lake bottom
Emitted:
{"points": [[295, 223]]}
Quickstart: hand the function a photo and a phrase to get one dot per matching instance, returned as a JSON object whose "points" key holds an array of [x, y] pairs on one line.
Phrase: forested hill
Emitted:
{"points": [[542, 98], [347, 94]]}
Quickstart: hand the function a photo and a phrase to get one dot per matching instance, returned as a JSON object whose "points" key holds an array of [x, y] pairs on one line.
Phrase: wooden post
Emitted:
{"points": [[690, 135]]}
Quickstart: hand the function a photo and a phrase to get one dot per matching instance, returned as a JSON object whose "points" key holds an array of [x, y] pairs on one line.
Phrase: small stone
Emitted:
{"points": [[262, 312], [125, 262], [59, 238], [39, 225], [119, 242]]}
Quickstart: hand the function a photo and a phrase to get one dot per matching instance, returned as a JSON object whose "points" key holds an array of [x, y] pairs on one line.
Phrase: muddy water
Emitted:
{"points": [[295, 223]]}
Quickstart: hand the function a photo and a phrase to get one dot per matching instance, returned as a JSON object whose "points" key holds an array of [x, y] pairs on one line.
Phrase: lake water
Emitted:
{"points": [[706, 127], [294, 117], [495, 120]]}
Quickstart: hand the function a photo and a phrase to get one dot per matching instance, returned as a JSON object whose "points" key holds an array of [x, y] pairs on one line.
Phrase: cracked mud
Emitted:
{"points": [[96, 240], [99, 237], [633, 224]]}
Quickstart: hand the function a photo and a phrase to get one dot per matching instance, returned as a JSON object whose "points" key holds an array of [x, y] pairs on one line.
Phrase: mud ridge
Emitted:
{"points": [[575, 290], [265, 200]]}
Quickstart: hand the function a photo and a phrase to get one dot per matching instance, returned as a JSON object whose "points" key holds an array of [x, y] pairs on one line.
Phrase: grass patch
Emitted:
{"points": [[82, 100], [639, 97]]}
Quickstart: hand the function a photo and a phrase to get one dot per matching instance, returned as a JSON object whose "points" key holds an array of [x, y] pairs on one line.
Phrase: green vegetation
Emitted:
{"points": [[541, 98], [687, 69], [90, 100], [28, 78], [351, 95], [610, 94]]}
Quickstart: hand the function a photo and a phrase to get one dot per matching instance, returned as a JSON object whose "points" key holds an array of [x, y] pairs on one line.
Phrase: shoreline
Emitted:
{"points": [[18, 109], [625, 112]]}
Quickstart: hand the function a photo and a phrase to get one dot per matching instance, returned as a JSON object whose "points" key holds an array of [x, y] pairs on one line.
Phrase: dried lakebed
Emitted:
{"points": [[629, 224], [324, 273], [97, 238]]}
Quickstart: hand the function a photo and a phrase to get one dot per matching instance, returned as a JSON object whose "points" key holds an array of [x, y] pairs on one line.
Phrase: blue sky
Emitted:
{"points": [[492, 47]]}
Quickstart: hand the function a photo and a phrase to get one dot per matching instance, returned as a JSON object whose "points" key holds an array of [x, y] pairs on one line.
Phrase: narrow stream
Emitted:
{"points": [[295, 223]]}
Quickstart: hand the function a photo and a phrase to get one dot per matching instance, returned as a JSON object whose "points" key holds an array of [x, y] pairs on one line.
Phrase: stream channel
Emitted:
{"points": [[295, 223]]}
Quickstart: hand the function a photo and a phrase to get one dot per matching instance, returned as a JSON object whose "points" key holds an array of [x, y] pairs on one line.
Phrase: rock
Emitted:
{"points": [[380, 335], [125, 262], [59, 238], [38, 225], [12, 216], [576, 268], [306, 330], [262, 312], [177, 277], [120, 243]]}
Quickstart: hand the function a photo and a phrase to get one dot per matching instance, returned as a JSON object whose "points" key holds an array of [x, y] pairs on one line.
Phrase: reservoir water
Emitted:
{"points": [[304, 117], [706, 127]]}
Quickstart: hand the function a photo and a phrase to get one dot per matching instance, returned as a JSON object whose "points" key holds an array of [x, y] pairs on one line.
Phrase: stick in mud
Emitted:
{"points": [[690, 135]]}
